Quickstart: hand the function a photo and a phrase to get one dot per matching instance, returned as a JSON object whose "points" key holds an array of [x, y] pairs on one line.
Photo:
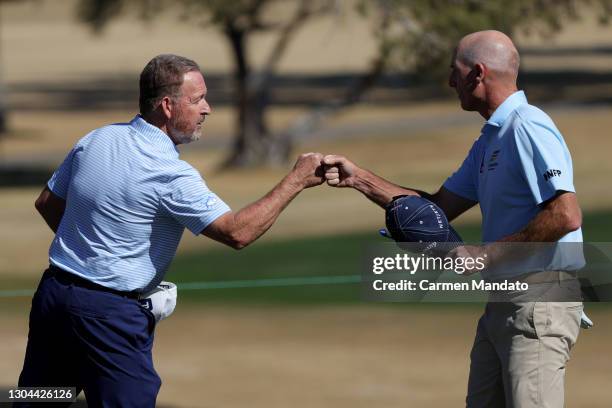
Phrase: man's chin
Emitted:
{"points": [[467, 107], [183, 138], [195, 136]]}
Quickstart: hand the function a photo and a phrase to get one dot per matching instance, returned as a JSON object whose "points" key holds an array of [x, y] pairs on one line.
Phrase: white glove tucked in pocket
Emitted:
{"points": [[161, 301]]}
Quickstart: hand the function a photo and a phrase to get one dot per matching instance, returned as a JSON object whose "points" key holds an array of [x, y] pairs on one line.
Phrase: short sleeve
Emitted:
{"points": [[545, 161], [60, 180], [463, 182], [189, 201]]}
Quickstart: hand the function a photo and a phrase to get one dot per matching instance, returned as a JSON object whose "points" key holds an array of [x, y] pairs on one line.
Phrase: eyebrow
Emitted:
{"points": [[198, 97]]}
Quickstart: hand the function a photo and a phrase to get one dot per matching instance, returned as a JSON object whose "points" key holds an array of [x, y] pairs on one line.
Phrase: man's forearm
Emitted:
{"points": [[560, 217], [542, 228], [545, 227], [377, 189], [241, 228], [51, 208], [53, 220], [256, 218]]}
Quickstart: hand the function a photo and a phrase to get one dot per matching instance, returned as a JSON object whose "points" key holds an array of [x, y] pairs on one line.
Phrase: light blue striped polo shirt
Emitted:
{"points": [[128, 200]]}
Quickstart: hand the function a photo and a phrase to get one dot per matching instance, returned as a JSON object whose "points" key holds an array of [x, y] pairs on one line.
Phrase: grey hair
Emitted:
{"points": [[162, 76]]}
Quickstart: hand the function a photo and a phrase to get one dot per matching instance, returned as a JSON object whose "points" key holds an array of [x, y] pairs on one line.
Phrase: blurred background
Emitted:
{"points": [[282, 322]]}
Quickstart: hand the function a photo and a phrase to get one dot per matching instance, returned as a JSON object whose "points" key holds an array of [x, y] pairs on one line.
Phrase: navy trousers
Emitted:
{"points": [[96, 341]]}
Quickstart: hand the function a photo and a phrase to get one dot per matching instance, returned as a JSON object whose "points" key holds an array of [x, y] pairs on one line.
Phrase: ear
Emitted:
{"points": [[167, 106], [478, 74]]}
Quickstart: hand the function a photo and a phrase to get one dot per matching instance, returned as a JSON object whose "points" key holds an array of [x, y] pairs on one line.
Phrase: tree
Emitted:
{"points": [[3, 105], [413, 34], [426, 31], [239, 20]]}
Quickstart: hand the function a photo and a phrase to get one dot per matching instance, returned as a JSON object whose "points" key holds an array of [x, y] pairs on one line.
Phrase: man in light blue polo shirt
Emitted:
{"points": [[520, 159], [520, 172], [119, 204]]}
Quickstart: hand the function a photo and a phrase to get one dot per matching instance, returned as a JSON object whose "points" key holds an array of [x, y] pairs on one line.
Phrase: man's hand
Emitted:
{"points": [[339, 171], [308, 170], [474, 253]]}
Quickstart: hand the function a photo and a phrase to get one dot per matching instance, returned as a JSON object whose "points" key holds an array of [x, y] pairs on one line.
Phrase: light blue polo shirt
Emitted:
{"points": [[128, 200], [518, 163]]}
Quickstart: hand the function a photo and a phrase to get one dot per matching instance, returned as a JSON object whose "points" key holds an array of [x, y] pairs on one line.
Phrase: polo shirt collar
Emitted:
{"points": [[504, 110], [153, 133]]}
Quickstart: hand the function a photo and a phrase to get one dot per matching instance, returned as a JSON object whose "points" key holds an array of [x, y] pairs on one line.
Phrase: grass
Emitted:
{"points": [[320, 256], [411, 157], [326, 256]]}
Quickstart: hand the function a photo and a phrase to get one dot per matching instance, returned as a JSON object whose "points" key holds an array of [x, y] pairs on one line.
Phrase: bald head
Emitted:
{"points": [[493, 49]]}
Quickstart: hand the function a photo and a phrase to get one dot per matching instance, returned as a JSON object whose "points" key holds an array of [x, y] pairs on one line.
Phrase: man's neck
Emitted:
{"points": [[494, 99], [160, 123]]}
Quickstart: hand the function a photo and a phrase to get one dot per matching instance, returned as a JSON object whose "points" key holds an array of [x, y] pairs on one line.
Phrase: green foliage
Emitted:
{"points": [[422, 33], [416, 35], [413, 35], [244, 15], [97, 13]]}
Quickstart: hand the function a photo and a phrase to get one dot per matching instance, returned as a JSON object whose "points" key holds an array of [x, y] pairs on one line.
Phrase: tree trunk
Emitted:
{"points": [[3, 108], [254, 144], [3, 115], [3, 104]]}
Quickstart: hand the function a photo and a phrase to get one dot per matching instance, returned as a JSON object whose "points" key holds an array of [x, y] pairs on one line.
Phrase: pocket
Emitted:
{"points": [[88, 303], [150, 318], [132, 322], [540, 316], [558, 319], [573, 315]]}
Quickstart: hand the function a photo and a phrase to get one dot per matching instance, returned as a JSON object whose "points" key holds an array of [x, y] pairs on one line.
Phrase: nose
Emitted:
{"points": [[206, 108]]}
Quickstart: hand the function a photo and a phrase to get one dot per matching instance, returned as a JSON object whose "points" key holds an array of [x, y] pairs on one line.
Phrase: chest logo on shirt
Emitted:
{"points": [[492, 163], [551, 173]]}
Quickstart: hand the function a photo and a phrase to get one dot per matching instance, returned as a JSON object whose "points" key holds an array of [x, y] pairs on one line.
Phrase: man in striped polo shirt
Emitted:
{"points": [[119, 204]]}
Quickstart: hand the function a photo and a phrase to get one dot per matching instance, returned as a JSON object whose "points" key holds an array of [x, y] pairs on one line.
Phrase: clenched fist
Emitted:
{"points": [[339, 171], [308, 170]]}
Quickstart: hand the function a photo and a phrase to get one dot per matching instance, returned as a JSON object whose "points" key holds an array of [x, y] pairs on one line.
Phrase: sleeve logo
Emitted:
{"points": [[551, 173], [211, 202]]}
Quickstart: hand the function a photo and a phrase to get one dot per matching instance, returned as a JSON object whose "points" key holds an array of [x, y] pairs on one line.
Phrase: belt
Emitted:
{"points": [[67, 277], [547, 277]]}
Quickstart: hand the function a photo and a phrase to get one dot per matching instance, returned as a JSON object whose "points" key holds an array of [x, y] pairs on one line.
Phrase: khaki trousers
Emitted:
{"points": [[520, 352]]}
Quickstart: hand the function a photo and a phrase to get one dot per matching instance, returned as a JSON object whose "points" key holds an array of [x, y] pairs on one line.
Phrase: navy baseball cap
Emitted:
{"points": [[414, 219]]}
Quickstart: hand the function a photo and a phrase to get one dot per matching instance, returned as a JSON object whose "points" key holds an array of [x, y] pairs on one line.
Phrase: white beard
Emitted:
{"points": [[185, 138]]}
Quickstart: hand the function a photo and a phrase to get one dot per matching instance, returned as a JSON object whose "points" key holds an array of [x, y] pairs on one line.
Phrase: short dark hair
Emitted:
{"points": [[162, 76]]}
